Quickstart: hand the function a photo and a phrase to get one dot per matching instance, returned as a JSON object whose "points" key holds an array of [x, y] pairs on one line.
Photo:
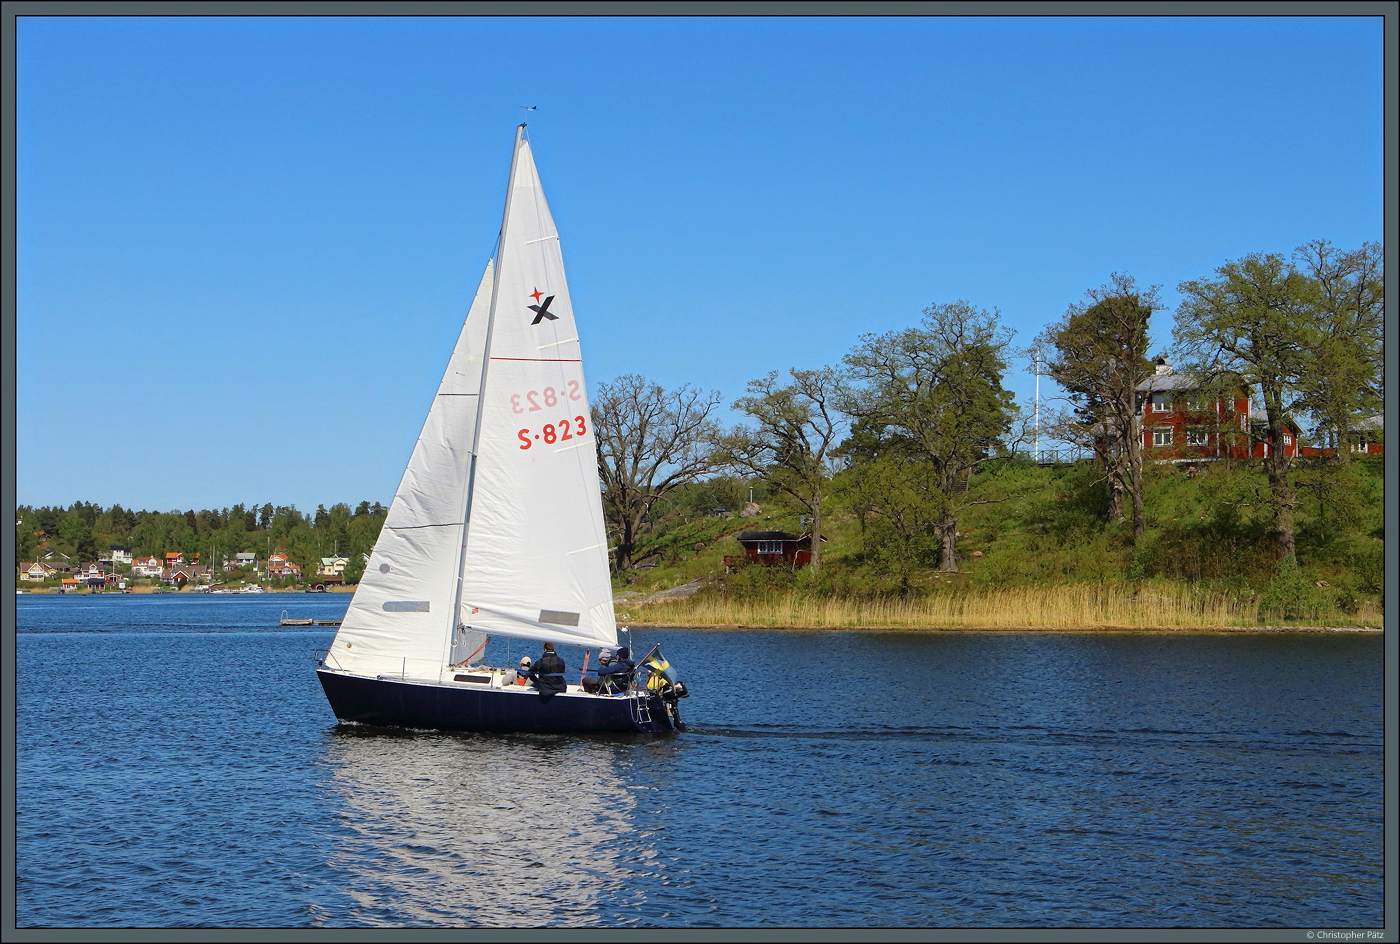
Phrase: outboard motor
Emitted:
{"points": [[671, 695]]}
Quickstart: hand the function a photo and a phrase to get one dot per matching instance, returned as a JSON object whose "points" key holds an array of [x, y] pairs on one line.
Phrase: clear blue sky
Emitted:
{"points": [[245, 245]]}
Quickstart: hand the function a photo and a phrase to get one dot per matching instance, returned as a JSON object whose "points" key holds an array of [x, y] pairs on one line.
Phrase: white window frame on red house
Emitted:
{"points": [[1162, 436], [770, 547], [1161, 402], [1197, 436]]}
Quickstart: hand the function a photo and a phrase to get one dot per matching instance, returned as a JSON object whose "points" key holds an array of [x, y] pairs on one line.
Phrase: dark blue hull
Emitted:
{"points": [[409, 704]]}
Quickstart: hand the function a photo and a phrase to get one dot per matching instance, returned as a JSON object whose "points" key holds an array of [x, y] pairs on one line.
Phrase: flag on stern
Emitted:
{"points": [[661, 672]]}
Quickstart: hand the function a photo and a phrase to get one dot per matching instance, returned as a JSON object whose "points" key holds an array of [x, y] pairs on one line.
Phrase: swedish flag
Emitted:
{"points": [[661, 672]]}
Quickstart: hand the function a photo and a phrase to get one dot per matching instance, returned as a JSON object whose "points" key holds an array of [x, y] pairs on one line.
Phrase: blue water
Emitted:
{"points": [[177, 766]]}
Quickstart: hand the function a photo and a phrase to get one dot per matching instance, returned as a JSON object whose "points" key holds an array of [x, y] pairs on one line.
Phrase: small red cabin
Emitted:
{"points": [[770, 548]]}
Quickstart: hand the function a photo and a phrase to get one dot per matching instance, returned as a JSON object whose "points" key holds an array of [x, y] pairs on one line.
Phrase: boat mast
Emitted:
{"points": [[481, 394]]}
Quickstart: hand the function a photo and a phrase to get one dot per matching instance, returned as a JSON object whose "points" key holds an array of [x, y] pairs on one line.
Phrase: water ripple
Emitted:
{"points": [[190, 775]]}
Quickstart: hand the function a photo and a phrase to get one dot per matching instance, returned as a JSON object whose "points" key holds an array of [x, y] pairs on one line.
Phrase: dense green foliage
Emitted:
{"points": [[83, 532], [1306, 335], [932, 400], [1025, 524]]}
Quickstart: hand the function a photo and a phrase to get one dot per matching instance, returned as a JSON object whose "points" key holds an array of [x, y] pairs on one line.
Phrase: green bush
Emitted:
{"points": [[1367, 562], [1292, 596]]}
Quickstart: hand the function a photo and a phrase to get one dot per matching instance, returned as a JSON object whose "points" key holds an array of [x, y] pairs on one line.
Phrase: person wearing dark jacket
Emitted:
{"points": [[615, 674], [548, 672]]}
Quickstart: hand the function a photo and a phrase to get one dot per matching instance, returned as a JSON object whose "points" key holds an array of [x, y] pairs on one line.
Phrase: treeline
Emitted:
{"points": [[913, 438], [897, 435], [83, 532]]}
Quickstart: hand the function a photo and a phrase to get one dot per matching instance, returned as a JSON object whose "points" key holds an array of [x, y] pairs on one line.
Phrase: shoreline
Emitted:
{"points": [[1024, 630], [140, 591], [927, 628]]}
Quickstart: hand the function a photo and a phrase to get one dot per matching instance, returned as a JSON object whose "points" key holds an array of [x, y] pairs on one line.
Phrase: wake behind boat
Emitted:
{"points": [[497, 525]]}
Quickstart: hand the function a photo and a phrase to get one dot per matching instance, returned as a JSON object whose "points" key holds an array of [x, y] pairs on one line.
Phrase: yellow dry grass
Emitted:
{"points": [[1072, 607]]}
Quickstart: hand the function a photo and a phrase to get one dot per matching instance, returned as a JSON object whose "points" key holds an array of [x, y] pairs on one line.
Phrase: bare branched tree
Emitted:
{"points": [[650, 440]]}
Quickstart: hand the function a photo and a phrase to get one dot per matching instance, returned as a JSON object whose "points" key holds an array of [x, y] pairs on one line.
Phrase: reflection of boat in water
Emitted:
{"points": [[455, 830], [497, 525]]}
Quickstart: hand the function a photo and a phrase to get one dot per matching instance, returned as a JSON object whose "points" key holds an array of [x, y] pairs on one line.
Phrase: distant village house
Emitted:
{"points": [[279, 566]]}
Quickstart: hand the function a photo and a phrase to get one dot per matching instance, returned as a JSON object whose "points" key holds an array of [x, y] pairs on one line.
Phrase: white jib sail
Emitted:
{"points": [[536, 562], [400, 619]]}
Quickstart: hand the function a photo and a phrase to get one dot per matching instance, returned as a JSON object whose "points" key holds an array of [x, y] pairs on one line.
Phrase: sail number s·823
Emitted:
{"points": [[552, 433], [532, 400]]}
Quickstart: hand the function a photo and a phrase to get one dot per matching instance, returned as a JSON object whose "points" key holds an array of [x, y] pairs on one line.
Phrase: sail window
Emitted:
{"points": [[558, 617], [405, 606]]}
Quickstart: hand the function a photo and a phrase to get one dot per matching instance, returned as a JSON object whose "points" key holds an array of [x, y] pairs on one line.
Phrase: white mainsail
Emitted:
{"points": [[536, 562], [400, 619]]}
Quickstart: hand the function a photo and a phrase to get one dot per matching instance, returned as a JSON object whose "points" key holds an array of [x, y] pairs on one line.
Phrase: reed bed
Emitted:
{"points": [[1070, 607]]}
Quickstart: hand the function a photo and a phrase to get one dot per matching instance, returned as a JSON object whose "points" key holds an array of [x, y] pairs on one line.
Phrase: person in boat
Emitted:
{"points": [[522, 674], [615, 671], [605, 670], [548, 672]]}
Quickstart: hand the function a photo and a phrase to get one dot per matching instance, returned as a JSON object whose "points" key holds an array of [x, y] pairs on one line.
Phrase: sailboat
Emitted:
{"points": [[496, 528]]}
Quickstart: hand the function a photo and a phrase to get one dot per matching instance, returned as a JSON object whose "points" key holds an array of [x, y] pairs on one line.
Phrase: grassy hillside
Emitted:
{"points": [[1035, 550]]}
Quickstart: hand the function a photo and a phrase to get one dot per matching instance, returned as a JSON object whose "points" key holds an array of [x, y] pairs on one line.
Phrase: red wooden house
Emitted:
{"points": [[1182, 422], [279, 566]]}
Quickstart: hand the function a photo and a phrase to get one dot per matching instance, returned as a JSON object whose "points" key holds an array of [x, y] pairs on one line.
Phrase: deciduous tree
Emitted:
{"points": [[1343, 377], [1253, 319], [1098, 353], [650, 440], [894, 496], [939, 387], [796, 427]]}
